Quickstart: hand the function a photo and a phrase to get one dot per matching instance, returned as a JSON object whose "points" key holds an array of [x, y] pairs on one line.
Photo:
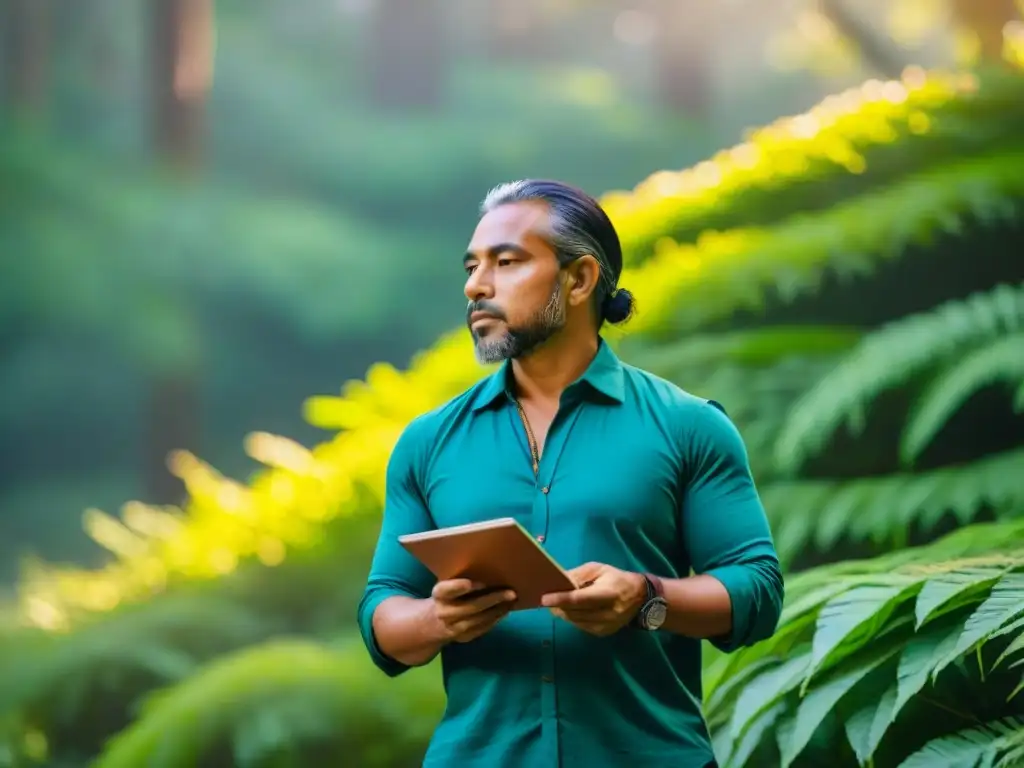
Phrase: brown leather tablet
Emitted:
{"points": [[498, 553]]}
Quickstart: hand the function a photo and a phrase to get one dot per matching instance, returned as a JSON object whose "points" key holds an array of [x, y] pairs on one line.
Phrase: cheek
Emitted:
{"points": [[525, 292]]}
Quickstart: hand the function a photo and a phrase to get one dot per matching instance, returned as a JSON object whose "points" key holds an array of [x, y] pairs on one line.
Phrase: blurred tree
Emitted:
{"points": [[877, 52], [686, 35], [985, 21], [840, 36], [407, 54], [182, 46], [25, 36]]}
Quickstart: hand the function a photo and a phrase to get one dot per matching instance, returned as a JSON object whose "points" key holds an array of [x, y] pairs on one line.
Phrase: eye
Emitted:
{"points": [[504, 262], [469, 268]]}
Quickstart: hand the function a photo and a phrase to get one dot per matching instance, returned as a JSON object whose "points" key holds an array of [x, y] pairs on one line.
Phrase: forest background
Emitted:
{"points": [[213, 216]]}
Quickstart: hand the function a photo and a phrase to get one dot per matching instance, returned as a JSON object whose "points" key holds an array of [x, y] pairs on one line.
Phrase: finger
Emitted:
{"points": [[584, 573], [464, 608], [451, 589], [589, 597], [486, 601], [472, 627], [589, 617]]}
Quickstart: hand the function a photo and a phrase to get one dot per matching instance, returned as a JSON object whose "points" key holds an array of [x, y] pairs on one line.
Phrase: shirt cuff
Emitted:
{"points": [[738, 582], [389, 666]]}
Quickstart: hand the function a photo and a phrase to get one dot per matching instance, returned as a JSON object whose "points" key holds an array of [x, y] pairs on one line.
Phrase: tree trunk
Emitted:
{"points": [[182, 39], [508, 29], [877, 51], [407, 58], [25, 28], [986, 18], [683, 46], [182, 35]]}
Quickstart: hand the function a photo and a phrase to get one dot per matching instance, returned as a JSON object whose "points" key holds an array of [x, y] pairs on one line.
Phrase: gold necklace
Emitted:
{"points": [[534, 450]]}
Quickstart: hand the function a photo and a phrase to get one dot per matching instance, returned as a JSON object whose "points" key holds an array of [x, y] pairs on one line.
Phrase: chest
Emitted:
{"points": [[607, 486]]}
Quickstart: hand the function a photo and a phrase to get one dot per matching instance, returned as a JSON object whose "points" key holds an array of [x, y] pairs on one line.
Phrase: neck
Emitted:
{"points": [[545, 373]]}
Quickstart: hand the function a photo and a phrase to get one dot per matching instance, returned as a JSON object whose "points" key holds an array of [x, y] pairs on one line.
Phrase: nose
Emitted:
{"points": [[479, 284]]}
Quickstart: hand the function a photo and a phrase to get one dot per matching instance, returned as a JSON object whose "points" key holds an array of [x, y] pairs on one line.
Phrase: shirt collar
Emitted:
{"points": [[603, 377]]}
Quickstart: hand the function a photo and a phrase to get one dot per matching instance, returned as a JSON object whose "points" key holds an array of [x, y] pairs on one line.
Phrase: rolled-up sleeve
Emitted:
{"points": [[725, 527], [394, 572]]}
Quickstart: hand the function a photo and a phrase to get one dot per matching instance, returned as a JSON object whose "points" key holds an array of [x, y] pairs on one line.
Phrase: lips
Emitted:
{"points": [[476, 317]]}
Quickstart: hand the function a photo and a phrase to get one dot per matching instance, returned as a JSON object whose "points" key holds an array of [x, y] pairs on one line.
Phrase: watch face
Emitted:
{"points": [[655, 614]]}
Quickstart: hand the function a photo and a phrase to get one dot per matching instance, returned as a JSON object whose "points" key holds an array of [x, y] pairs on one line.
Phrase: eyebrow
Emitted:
{"points": [[496, 250]]}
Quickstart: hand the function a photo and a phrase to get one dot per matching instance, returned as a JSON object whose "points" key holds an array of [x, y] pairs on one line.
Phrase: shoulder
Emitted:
{"points": [[697, 422], [667, 397], [420, 436]]}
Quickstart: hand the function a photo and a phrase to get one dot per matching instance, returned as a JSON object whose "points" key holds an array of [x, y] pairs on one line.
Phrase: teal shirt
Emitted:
{"points": [[635, 473]]}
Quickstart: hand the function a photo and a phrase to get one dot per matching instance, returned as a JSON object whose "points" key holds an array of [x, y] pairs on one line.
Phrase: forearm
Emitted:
{"points": [[698, 606], [407, 630]]}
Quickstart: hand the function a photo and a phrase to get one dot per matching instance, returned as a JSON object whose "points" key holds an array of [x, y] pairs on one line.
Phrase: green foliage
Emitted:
{"points": [[962, 345], [291, 699], [152, 247], [850, 240], [885, 509], [58, 678], [851, 143], [865, 651], [876, 663]]}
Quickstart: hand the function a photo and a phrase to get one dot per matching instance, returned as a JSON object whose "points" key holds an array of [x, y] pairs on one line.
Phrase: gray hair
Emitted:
{"points": [[579, 226]]}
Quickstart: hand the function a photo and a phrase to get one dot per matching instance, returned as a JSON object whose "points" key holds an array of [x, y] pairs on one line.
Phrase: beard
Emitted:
{"points": [[518, 341]]}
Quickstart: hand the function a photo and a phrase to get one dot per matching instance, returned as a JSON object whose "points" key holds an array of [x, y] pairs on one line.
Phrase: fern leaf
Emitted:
{"points": [[816, 705], [795, 162], [753, 347], [947, 591], [822, 512], [1002, 359], [1004, 603], [274, 697], [850, 619], [677, 294], [971, 748], [158, 638], [866, 650], [890, 356]]}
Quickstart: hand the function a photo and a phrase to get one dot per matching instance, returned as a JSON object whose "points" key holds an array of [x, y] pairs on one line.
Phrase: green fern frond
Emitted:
{"points": [[158, 638], [848, 144], [869, 643], [889, 357], [685, 287], [993, 745], [754, 347], [820, 513], [1000, 360], [282, 697]]}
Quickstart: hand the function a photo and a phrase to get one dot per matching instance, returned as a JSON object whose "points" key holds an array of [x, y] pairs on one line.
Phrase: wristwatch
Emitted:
{"points": [[652, 613]]}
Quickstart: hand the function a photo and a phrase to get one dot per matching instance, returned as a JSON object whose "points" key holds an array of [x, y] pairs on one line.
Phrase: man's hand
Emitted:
{"points": [[465, 616], [606, 601]]}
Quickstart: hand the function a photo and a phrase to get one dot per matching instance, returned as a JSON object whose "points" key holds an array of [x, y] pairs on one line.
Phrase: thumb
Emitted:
{"points": [[585, 573]]}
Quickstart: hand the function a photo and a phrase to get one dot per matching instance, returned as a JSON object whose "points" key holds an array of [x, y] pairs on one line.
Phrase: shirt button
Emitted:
{"points": [[545, 489], [540, 538]]}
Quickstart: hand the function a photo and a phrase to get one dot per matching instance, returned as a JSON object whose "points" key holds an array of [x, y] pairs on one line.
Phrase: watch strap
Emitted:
{"points": [[655, 586], [655, 589]]}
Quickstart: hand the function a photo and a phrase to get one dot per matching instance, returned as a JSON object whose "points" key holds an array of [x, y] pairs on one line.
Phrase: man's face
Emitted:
{"points": [[515, 296]]}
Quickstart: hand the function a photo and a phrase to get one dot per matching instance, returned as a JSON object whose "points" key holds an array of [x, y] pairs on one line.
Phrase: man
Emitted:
{"points": [[623, 477]]}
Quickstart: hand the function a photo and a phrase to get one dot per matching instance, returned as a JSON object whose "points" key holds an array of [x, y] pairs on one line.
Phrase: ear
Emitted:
{"points": [[584, 275]]}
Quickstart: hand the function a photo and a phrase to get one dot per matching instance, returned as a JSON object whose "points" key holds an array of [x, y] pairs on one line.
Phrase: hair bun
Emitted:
{"points": [[618, 306]]}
